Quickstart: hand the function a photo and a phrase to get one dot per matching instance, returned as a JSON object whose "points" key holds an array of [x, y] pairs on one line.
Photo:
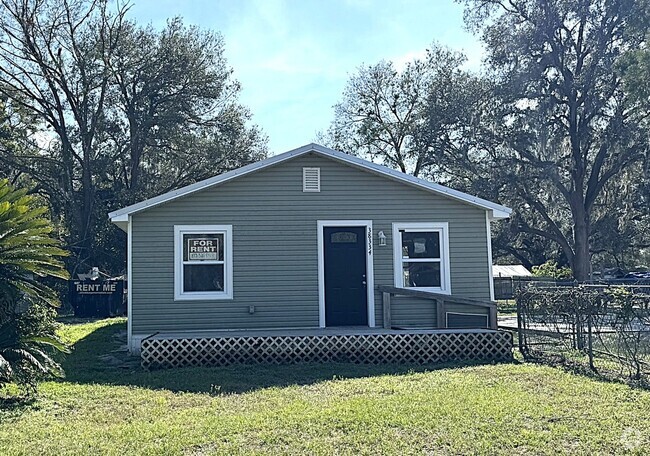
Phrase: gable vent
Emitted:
{"points": [[311, 179]]}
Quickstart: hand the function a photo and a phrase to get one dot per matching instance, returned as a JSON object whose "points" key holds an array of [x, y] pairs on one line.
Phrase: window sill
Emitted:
{"points": [[430, 289], [203, 297]]}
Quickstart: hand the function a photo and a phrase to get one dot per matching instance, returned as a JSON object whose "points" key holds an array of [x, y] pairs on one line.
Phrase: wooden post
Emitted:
{"points": [[385, 300], [493, 317], [442, 320]]}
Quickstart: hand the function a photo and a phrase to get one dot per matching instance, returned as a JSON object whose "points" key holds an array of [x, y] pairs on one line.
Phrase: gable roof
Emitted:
{"points": [[120, 216]]}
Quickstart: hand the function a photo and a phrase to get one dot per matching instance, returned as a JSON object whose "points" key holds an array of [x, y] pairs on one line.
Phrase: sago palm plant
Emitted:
{"points": [[25, 353], [27, 255]]}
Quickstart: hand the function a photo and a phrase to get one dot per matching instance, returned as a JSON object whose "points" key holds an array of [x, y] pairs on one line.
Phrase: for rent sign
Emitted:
{"points": [[202, 249]]}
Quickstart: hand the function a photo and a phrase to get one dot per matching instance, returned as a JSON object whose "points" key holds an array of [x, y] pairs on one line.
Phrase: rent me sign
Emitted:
{"points": [[97, 298], [84, 287]]}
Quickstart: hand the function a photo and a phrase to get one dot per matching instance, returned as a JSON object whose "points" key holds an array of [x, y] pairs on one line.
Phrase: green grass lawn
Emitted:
{"points": [[115, 408]]}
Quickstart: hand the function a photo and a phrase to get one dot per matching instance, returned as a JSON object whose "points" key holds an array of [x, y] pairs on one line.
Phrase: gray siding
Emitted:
{"points": [[275, 250], [409, 311]]}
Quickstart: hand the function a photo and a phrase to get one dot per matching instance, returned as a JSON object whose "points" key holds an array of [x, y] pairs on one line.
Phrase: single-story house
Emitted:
{"points": [[309, 239]]}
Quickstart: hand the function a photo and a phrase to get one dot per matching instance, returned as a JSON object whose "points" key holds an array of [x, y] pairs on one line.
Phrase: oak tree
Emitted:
{"points": [[569, 127]]}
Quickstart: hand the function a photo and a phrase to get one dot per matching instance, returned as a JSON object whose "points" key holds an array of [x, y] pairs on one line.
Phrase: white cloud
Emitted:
{"points": [[401, 61], [294, 58], [475, 55]]}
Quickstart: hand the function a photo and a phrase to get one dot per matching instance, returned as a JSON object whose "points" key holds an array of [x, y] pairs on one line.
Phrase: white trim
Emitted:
{"points": [[120, 218], [129, 287], [305, 179], [498, 214], [370, 275], [136, 343], [498, 211], [489, 254], [445, 273], [227, 293]]}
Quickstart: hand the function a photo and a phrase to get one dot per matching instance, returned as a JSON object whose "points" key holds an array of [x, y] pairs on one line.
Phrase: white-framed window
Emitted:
{"points": [[202, 262], [421, 256]]}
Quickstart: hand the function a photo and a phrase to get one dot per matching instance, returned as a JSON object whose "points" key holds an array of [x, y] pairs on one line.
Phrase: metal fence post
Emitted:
{"points": [[590, 346], [520, 322]]}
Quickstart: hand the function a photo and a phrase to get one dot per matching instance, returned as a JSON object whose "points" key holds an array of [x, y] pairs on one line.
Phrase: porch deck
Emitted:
{"points": [[338, 344], [330, 331]]}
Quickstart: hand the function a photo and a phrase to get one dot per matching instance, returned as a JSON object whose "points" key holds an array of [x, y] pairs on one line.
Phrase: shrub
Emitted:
{"points": [[551, 270], [27, 254]]}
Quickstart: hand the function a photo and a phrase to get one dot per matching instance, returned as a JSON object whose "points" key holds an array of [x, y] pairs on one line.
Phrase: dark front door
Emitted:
{"points": [[346, 299]]}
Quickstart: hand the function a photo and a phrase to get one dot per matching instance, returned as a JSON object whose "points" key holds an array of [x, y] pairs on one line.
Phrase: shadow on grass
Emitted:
{"points": [[98, 359], [15, 405], [583, 370]]}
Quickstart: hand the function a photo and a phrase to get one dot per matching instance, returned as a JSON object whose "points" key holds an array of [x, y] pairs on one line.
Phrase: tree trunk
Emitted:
{"points": [[87, 195], [136, 152], [581, 264]]}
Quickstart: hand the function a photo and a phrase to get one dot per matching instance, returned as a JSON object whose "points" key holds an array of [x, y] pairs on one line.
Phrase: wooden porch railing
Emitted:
{"points": [[441, 303]]}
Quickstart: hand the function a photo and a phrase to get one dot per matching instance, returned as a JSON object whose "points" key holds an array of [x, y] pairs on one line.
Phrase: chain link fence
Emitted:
{"points": [[602, 328], [505, 288]]}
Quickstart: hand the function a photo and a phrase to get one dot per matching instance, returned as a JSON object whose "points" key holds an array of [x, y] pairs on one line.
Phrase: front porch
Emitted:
{"points": [[361, 345]]}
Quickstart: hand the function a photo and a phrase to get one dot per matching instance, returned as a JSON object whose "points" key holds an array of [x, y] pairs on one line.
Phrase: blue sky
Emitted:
{"points": [[293, 58]]}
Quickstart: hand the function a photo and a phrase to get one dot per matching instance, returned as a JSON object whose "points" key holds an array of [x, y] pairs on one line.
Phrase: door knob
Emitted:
{"points": [[364, 282]]}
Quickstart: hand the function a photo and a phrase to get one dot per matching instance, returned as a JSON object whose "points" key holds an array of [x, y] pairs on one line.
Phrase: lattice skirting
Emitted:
{"points": [[359, 348]]}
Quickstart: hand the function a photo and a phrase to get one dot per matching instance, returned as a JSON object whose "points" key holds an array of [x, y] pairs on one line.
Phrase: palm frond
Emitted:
{"points": [[52, 368], [14, 355], [27, 250], [49, 341], [6, 372]]}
